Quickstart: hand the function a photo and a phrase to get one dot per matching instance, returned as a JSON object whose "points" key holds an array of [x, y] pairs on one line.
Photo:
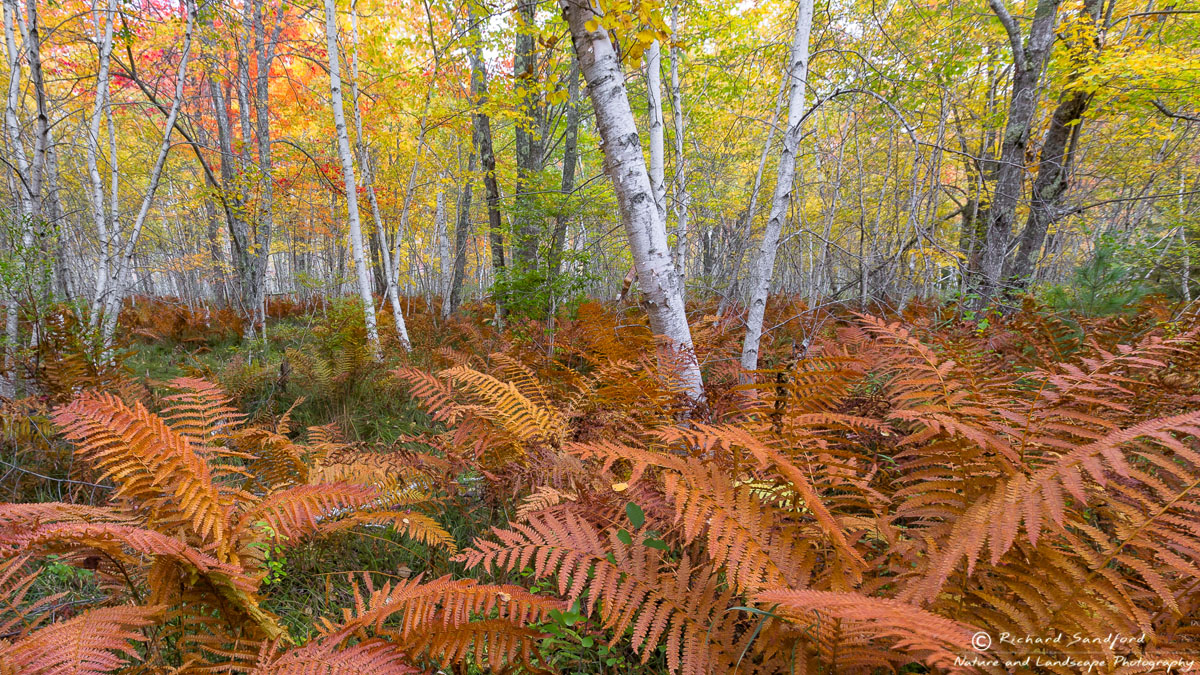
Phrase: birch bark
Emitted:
{"points": [[99, 217], [124, 269], [682, 199], [368, 182], [657, 144], [764, 264], [627, 169], [343, 141]]}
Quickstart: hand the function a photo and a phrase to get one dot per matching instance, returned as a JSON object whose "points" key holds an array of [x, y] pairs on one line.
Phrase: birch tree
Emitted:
{"points": [[125, 262], [104, 29], [682, 199], [25, 197], [343, 145], [626, 169], [657, 145], [368, 183], [482, 139], [763, 267]]}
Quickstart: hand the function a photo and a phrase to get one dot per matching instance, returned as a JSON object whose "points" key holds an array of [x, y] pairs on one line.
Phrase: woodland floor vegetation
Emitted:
{"points": [[886, 487]]}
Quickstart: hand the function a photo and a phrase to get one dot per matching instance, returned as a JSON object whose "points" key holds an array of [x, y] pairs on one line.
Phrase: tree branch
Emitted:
{"points": [[1174, 115], [1013, 30]]}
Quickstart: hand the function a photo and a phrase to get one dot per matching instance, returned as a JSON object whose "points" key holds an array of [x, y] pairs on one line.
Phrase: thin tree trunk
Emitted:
{"points": [[13, 127], [368, 181], [747, 224], [96, 195], [462, 230], [570, 160], [125, 262], [655, 110], [528, 148], [343, 141], [682, 199], [627, 169], [764, 264], [483, 140], [442, 241]]}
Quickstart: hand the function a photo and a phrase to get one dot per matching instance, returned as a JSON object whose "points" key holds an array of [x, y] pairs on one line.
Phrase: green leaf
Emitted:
{"points": [[656, 543], [636, 516], [625, 537]]}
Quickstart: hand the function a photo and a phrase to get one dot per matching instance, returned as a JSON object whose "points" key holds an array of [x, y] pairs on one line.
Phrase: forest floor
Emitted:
{"points": [[510, 426]]}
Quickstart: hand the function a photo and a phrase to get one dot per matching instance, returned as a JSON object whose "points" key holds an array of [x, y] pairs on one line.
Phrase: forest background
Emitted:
{"points": [[395, 335]]}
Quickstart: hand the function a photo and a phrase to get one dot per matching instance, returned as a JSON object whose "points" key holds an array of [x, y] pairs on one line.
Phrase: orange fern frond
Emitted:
{"points": [[93, 643], [1040, 499], [854, 631], [200, 410], [151, 463], [300, 510], [320, 657], [628, 583]]}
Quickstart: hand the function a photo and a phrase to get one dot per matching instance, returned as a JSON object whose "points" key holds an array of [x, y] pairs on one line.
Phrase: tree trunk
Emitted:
{"points": [[528, 148], [343, 144], [125, 263], [570, 160], [747, 223], [462, 230], [1054, 164], [654, 109], [442, 241], [682, 199], [764, 264], [627, 169], [96, 195], [482, 133], [1028, 64]]}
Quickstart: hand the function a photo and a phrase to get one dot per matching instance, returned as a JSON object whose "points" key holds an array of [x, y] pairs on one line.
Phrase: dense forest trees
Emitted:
{"points": [[941, 150], [598, 336]]}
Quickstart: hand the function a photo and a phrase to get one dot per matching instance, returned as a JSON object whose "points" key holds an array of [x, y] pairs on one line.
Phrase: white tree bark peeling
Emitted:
{"points": [[626, 167]]}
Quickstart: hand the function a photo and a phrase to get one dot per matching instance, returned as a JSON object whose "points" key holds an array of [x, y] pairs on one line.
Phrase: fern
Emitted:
{"points": [[93, 643], [628, 585], [150, 463], [855, 632]]}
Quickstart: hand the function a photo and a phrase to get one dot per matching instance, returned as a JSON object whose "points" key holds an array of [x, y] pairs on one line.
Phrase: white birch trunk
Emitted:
{"points": [[627, 169], [96, 195], [657, 144], [343, 139], [368, 181], [124, 269], [443, 246], [682, 198], [13, 127], [764, 264]]}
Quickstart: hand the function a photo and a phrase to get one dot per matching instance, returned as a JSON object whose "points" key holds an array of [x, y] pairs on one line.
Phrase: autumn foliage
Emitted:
{"points": [[882, 493]]}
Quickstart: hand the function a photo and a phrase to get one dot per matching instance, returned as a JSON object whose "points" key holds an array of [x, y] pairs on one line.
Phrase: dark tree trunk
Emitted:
{"points": [[1054, 167], [570, 159], [528, 149], [1029, 61]]}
